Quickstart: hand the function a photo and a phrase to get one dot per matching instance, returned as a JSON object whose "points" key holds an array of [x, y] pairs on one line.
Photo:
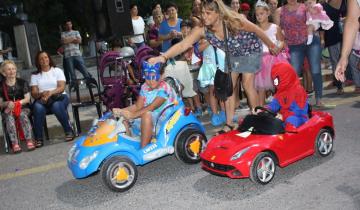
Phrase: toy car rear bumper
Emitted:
{"points": [[233, 171]]}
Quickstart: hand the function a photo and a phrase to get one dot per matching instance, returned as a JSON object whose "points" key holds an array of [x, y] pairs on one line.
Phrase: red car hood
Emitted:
{"points": [[224, 146]]}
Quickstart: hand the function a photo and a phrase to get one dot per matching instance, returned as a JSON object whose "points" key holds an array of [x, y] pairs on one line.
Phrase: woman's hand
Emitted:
{"points": [[274, 50], [10, 105], [158, 59], [340, 69], [45, 96]]}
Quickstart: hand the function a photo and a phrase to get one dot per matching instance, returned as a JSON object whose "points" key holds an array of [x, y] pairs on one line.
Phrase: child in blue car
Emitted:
{"points": [[290, 99], [155, 95]]}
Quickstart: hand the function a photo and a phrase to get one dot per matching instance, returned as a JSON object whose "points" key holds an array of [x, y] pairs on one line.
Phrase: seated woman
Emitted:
{"points": [[290, 99], [47, 88], [155, 95], [15, 98]]}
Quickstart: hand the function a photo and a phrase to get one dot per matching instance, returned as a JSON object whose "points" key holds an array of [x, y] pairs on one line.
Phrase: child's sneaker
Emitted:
{"points": [[216, 120], [222, 116]]}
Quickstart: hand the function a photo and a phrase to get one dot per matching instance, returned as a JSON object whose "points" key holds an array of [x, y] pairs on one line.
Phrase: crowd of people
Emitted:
{"points": [[252, 38]]}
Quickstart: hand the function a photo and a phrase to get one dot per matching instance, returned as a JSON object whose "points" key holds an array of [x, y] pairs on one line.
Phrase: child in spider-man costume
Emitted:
{"points": [[290, 99]]}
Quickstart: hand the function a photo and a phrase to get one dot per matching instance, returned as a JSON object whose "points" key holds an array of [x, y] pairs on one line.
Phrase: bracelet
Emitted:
{"points": [[164, 56], [272, 47]]}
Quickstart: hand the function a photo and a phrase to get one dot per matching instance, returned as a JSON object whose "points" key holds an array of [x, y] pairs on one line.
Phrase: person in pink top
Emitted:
{"points": [[292, 19], [316, 17]]}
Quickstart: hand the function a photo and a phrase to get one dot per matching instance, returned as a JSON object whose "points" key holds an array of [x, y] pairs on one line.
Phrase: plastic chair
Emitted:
{"points": [[85, 92]]}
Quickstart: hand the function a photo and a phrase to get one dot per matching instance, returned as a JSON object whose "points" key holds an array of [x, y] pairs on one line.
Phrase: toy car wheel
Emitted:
{"points": [[189, 145], [263, 168], [119, 173], [324, 143]]}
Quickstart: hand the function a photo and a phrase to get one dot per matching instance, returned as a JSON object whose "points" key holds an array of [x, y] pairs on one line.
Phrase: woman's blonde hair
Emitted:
{"points": [[230, 17], [3, 64]]}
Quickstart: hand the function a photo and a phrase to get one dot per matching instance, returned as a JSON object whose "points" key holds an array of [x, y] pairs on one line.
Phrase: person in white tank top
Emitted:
{"points": [[138, 26]]}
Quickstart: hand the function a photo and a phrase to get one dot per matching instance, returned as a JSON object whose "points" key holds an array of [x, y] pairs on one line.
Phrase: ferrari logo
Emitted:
{"points": [[213, 157]]}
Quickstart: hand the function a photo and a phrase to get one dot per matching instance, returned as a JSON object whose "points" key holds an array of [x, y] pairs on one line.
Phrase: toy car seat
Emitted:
{"points": [[262, 124]]}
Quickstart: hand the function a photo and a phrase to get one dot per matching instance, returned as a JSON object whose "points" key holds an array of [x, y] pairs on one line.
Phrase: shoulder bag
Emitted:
{"points": [[223, 83]]}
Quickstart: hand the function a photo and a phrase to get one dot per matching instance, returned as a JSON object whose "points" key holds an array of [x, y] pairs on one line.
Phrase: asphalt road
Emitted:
{"points": [[41, 180]]}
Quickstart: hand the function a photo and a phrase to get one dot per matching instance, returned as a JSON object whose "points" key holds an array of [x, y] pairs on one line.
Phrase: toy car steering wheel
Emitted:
{"points": [[265, 110]]}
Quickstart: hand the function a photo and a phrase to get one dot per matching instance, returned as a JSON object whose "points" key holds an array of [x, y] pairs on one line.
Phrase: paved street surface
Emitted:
{"points": [[41, 180]]}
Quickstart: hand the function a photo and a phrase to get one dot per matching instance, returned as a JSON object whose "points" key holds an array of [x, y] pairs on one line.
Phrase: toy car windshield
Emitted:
{"points": [[262, 124]]}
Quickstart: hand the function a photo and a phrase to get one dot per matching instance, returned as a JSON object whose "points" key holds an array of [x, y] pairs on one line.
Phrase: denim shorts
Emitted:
{"points": [[245, 64]]}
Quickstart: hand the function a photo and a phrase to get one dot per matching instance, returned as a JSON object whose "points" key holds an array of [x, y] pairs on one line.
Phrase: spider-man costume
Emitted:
{"points": [[290, 98]]}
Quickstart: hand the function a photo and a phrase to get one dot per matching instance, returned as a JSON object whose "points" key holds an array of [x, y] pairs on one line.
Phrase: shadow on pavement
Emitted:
{"points": [[91, 191], [344, 95], [352, 192], [356, 105], [223, 188], [84, 192]]}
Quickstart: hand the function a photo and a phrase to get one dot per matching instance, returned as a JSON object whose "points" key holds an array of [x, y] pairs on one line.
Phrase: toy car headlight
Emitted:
{"points": [[71, 152], [239, 154], [86, 160]]}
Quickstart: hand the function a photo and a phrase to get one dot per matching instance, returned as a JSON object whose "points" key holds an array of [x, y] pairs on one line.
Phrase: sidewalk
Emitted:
{"points": [[88, 114], [331, 100]]}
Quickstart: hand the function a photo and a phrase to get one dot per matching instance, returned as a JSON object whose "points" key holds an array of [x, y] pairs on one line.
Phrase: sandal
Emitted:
{"points": [[230, 128], [16, 148], [39, 143], [30, 145]]}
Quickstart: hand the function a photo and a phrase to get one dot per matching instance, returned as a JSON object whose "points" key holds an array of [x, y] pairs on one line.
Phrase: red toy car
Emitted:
{"points": [[261, 143]]}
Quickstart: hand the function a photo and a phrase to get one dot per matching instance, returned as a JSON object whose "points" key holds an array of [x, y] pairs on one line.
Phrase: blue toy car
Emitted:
{"points": [[107, 148]]}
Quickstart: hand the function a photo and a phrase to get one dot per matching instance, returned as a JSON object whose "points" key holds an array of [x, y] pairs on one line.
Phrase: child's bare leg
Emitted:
{"points": [[310, 32], [262, 96], [197, 101], [190, 103], [146, 128], [207, 98]]}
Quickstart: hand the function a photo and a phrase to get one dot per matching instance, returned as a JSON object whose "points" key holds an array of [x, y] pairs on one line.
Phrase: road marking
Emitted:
{"points": [[35, 170]]}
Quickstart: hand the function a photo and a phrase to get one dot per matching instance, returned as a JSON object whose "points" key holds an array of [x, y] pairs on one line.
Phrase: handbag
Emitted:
{"points": [[223, 86], [52, 99]]}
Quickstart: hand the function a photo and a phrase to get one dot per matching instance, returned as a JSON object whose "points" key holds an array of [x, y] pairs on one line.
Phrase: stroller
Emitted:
{"points": [[119, 91]]}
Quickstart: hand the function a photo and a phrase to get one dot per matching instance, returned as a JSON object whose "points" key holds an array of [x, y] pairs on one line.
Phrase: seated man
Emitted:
{"points": [[290, 99], [155, 95]]}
